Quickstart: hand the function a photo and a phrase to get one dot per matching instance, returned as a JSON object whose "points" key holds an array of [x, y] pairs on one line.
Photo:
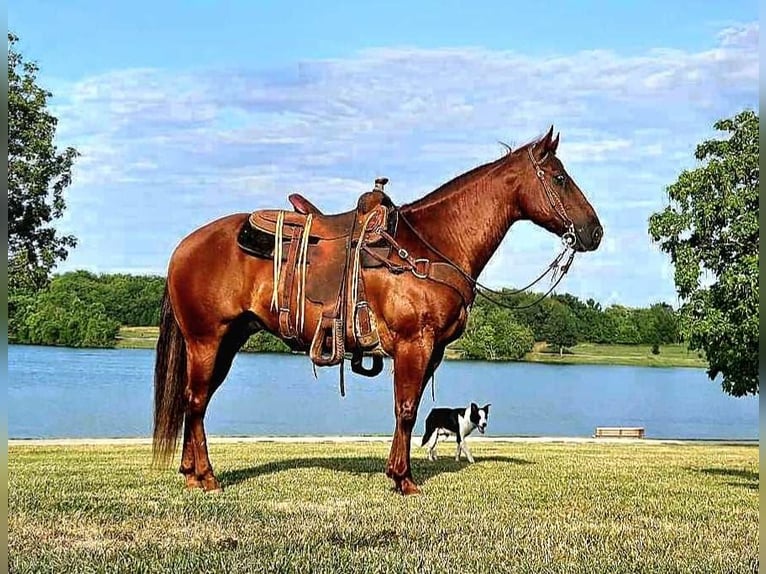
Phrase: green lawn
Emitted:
{"points": [[586, 353], [299, 507], [137, 337], [634, 355]]}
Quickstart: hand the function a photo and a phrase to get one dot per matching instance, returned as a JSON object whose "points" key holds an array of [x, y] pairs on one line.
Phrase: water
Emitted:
{"points": [[57, 393]]}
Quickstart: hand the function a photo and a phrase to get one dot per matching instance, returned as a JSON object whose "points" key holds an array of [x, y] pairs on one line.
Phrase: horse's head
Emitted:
{"points": [[552, 200]]}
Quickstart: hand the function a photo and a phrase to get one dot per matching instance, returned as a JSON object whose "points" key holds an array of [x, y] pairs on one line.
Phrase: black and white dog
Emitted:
{"points": [[446, 422]]}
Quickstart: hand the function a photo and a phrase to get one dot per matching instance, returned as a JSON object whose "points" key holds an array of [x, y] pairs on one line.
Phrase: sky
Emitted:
{"points": [[188, 111]]}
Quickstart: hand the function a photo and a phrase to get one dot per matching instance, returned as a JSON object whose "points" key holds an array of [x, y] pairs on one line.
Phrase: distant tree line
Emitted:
{"points": [[561, 321], [82, 309]]}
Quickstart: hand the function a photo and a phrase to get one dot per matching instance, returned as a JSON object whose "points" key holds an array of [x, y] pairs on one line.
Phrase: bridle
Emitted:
{"points": [[568, 239]]}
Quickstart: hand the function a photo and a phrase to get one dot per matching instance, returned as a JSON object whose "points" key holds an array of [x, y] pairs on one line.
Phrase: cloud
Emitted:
{"points": [[742, 36], [164, 150]]}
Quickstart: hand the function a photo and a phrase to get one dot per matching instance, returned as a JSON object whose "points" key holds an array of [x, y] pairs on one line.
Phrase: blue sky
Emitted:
{"points": [[186, 111]]}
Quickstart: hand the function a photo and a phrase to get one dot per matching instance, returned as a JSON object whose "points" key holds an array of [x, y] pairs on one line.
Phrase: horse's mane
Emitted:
{"points": [[463, 179]]}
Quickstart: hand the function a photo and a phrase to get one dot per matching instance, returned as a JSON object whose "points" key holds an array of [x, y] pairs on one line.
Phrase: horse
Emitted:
{"points": [[216, 295]]}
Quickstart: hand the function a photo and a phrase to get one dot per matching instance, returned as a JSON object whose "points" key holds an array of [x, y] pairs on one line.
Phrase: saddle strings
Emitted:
{"points": [[357, 261], [302, 264], [277, 259]]}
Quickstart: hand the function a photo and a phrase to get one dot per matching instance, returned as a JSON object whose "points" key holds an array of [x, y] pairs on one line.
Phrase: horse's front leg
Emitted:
{"points": [[411, 366]]}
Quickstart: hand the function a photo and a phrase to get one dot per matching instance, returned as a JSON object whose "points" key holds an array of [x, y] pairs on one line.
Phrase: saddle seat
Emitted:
{"points": [[366, 201], [323, 226]]}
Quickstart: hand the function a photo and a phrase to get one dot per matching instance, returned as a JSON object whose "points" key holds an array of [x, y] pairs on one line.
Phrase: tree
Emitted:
{"points": [[265, 342], [37, 177], [595, 326], [623, 325], [710, 230], [562, 328], [58, 316], [493, 333], [664, 324]]}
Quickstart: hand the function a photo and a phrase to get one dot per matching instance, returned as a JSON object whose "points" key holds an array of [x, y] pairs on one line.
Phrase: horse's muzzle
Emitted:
{"points": [[589, 239], [595, 237]]}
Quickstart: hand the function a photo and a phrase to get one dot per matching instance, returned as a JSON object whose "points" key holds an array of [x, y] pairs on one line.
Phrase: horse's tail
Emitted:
{"points": [[169, 385]]}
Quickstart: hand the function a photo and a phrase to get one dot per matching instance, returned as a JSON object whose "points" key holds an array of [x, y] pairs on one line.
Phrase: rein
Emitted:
{"points": [[568, 239], [554, 266]]}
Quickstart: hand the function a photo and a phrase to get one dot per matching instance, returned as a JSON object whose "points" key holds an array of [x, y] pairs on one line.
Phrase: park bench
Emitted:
{"points": [[619, 432]]}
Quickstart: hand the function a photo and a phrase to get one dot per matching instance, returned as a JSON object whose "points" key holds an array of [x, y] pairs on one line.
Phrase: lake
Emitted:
{"points": [[77, 393]]}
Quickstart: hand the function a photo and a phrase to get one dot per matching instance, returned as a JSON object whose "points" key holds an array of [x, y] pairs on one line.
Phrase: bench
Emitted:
{"points": [[619, 432]]}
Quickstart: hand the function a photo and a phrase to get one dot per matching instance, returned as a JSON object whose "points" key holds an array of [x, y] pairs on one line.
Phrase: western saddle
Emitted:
{"points": [[319, 258]]}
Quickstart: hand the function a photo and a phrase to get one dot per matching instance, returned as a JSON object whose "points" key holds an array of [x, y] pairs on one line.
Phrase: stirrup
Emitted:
{"points": [[327, 347], [365, 326], [358, 367]]}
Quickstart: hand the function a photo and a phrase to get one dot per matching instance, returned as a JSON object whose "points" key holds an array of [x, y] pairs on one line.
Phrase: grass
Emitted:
{"points": [[633, 355], [299, 507], [583, 354], [137, 337]]}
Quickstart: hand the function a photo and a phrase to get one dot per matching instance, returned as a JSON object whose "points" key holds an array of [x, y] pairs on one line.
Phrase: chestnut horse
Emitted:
{"points": [[217, 296]]}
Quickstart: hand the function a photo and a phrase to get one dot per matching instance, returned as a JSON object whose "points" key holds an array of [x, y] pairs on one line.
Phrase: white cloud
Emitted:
{"points": [[195, 145], [741, 36], [595, 150]]}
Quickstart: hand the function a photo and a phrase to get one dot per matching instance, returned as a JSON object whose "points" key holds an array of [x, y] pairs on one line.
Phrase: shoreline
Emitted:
{"points": [[593, 354], [340, 439]]}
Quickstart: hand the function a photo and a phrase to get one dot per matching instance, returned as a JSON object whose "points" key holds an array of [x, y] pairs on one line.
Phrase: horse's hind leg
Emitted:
{"points": [[208, 364], [195, 463]]}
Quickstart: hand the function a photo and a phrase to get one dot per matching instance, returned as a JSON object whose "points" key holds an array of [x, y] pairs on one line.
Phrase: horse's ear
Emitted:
{"points": [[543, 147], [546, 143], [555, 143]]}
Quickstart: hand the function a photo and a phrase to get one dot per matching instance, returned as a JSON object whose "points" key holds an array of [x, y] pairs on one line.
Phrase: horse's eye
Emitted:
{"points": [[560, 179]]}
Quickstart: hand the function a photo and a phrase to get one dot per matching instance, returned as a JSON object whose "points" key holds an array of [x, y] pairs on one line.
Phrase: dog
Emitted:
{"points": [[460, 422]]}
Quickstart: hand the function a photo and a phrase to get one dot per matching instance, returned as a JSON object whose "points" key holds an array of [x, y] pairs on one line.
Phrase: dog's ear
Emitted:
{"points": [[474, 407], [486, 407]]}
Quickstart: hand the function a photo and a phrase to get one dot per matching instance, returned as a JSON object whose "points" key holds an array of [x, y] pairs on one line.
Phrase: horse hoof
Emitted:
{"points": [[211, 486], [192, 482], [408, 487]]}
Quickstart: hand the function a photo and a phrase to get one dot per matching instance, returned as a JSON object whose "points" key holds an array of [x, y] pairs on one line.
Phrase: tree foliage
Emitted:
{"points": [[564, 320], [58, 316], [37, 176], [562, 328], [710, 231], [80, 309], [264, 342], [493, 333]]}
